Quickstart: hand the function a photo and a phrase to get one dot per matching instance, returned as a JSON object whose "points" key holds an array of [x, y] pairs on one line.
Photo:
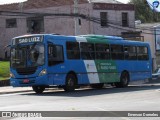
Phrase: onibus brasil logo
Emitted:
{"points": [[154, 5]]}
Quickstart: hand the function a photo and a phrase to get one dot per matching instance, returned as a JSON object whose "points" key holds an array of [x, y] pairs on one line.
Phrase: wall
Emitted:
{"points": [[114, 17], [6, 34]]}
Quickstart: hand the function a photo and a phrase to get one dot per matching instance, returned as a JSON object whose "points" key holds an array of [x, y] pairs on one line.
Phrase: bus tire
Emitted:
{"points": [[97, 85], [124, 80], [70, 83], [38, 89]]}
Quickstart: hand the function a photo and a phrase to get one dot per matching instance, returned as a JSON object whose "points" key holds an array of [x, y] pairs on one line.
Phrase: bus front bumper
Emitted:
{"points": [[22, 82]]}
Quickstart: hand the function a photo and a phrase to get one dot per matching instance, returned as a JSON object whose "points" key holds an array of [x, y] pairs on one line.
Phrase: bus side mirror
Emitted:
{"points": [[6, 49]]}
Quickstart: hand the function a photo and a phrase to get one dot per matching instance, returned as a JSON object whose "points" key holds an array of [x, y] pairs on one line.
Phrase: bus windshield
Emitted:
{"points": [[27, 56]]}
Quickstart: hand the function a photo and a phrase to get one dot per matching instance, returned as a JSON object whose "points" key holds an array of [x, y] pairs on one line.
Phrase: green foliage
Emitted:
{"points": [[143, 12], [4, 70], [142, 18]]}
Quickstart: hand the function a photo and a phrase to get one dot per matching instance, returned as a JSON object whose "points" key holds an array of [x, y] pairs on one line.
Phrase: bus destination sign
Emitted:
{"points": [[30, 39]]}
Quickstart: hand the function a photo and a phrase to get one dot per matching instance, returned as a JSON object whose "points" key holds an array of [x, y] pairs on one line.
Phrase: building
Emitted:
{"points": [[105, 17]]}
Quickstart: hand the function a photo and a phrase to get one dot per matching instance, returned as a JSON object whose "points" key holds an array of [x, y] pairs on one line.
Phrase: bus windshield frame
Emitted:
{"points": [[30, 55]]}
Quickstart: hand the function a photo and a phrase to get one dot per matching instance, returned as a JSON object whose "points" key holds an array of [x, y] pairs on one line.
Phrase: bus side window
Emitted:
{"points": [[87, 51], [51, 51], [126, 53], [55, 54], [73, 51], [102, 51], [117, 52], [130, 53], [142, 53]]}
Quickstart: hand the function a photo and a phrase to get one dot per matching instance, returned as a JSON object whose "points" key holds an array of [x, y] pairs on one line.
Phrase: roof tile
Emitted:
{"points": [[32, 4]]}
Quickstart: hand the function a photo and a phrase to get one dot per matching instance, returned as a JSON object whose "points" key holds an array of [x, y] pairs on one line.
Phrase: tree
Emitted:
{"points": [[143, 11]]}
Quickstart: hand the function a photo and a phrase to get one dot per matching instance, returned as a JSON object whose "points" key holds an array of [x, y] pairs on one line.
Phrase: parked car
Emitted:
{"points": [[138, 22], [156, 74]]}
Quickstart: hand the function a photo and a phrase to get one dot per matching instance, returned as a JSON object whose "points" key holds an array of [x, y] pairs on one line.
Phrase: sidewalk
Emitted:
{"points": [[10, 89]]}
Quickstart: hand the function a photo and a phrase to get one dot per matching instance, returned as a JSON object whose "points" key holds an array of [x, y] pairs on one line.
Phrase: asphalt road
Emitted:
{"points": [[132, 98]]}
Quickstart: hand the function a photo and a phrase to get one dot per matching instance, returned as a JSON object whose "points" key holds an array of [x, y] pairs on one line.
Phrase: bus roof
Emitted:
{"points": [[86, 36], [110, 39], [102, 37]]}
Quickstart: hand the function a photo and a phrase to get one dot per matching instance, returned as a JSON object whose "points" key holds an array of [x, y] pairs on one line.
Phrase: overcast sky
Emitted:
{"points": [[14, 1]]}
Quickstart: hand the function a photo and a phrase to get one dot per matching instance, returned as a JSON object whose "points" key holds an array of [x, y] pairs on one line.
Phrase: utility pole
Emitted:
{"points": [[21, 7], [76, 18]]}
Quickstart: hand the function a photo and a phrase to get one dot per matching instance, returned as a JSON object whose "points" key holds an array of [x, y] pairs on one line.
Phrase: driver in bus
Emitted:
{"points": [[34, 54]]}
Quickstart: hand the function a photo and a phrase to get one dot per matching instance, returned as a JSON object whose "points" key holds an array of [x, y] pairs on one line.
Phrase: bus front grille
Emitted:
{"points": [[26, 71]]}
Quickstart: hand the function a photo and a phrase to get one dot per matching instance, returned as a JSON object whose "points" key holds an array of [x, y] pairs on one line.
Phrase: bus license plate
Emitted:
{"points": [[25, 81]]}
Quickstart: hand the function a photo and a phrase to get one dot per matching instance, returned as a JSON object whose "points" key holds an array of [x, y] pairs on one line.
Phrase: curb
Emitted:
{"points": [[20, 91], [4, 83]]}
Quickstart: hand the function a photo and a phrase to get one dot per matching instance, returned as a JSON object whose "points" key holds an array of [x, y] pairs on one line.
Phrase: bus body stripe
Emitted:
{"points": [[92, 71], [90, 66]]}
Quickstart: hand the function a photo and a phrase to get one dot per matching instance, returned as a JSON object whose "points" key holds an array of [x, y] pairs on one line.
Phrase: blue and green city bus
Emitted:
{"points": [[48, 60]]}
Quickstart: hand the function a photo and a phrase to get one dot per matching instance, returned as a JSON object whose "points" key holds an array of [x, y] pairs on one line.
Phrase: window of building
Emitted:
{"points": [[11, 23], [79, 22], [125, 19], [35, 24], [142, 53], [130, 53], [73, 51], [103, 17], [117, 52], [102, 51], [87, 51]]}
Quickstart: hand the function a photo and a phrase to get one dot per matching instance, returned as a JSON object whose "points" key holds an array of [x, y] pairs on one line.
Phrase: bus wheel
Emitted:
{"points": [[70, 83], [97, 86], [124, 80], [38, 89]]}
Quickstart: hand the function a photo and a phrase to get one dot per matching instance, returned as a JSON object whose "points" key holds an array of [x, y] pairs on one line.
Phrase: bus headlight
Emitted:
{"points": [[12, 75], [43, 72]]}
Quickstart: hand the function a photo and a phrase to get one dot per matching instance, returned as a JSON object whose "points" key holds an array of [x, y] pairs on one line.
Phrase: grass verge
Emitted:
{"points": [[4, 70]]}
